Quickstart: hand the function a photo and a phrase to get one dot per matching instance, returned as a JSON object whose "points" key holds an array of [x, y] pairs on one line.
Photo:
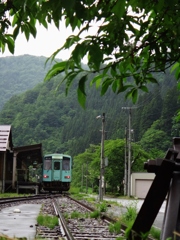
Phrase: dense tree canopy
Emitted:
{"points": [[86, 165], [46, 115], [18, 74], [133, 38]]}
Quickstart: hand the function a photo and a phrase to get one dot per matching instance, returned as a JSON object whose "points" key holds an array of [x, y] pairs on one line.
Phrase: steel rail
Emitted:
{"points": [[26, 198], [104, 216], [62, 221]]}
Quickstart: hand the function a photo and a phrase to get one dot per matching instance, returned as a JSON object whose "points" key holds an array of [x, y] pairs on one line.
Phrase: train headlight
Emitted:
{"points": [[45, 176], [67, 177]]}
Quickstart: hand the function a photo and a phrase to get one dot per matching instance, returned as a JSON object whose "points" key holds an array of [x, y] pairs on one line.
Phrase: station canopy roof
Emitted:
{"points": [[30, 153], [5, 138]]}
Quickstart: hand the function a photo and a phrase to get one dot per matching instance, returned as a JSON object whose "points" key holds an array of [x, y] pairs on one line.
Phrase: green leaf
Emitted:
{"points": [[56, 69], [16, 32], [10, 43], [44, 23], [178, 85], [82, 82], [128, 94], [52, 57], [151, 79], [67, 22], [119, 8], [114, 86], [25, 29], [79, 52], [134, 95], [69, 77], [32, 28], [177, 73], [143, 88], [68, 5], [120, 85], [2, 46], [175, 66], [95, 56], [81, 98], [70, 41], [107, 82], [97, 80], [15, 19], [124, 88]]}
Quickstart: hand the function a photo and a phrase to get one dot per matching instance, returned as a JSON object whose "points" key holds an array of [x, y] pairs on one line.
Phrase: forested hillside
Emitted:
{"points": [[48, 116], [18, 74], [45, 115]]}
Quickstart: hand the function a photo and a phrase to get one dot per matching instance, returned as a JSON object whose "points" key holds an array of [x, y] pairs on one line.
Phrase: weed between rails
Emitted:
{"points": [[47, 221]]}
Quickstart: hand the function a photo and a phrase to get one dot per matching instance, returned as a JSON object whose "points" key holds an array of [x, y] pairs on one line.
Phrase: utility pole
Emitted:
{"points": [[129, 156], [86, 176], [82, 180], [125, 164], [102, 165], [128, 170]]}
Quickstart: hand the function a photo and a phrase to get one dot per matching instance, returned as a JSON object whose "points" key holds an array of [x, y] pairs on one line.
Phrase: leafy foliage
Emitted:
{"points": [[46, 115], [152, 138], [85, 165], [130, 38]]}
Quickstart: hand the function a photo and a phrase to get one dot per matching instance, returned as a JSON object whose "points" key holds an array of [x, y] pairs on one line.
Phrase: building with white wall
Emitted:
{"points": [[140, 184]]}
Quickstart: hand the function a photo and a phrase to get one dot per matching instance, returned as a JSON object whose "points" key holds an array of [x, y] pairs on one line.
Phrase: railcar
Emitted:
{"points": [[57, 172]]}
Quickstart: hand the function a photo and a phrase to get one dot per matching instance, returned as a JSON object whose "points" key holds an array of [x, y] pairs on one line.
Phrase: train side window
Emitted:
{"points": [[47, 165], [56, 165], [66, 165]]}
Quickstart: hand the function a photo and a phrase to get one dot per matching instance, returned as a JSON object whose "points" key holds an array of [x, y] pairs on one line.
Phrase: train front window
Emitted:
{"points": [[56, 165], [47, 164], [66, 164]]}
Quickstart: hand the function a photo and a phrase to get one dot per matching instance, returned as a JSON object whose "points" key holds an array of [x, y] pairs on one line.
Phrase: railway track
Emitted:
{"points": [[77, 220], [22, 199]]}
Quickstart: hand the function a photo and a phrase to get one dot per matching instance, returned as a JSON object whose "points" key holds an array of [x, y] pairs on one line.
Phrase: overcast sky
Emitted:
{"points": [[45, 43]]}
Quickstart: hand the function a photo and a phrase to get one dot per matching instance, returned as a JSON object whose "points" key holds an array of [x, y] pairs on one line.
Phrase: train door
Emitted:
{"points": [[56, 172]]}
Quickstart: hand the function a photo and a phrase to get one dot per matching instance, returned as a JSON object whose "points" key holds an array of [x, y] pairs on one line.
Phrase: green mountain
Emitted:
{"points": [[44, 114], [18, 74], [48, 116]]}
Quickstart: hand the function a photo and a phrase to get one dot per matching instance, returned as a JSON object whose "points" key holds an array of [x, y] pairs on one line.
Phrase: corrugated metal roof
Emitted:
{"points": [[5, 137]]}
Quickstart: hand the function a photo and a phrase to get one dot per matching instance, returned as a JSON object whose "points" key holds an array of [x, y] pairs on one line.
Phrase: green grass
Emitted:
{"points": [[131, 213], [115, 227], [129, 217], [11, 195], [126, 218], [74, 190], [102, 207], [90, 199], [95, 214], [155, 233], [76, 215], [4, 237], [47, 221]]}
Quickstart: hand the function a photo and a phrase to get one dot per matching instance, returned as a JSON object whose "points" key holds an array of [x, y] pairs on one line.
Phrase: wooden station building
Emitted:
{"points": [[15, 161]]}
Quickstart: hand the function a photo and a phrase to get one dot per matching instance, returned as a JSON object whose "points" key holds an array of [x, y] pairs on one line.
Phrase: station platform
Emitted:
{"points": [[19, 221]]}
